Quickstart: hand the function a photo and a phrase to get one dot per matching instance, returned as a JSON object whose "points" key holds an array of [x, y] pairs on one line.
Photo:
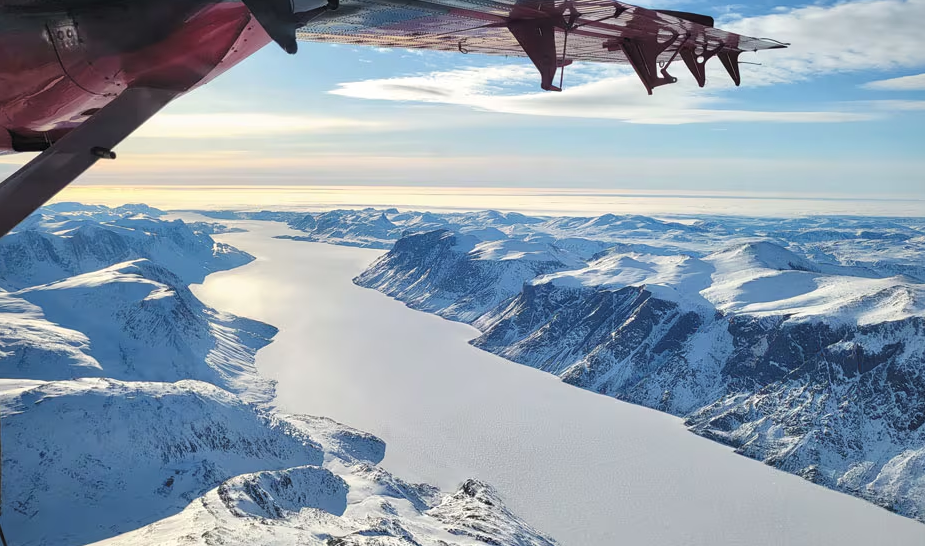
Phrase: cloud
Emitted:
{"points": [[440, 86], [865, 35], [616, 98], [905, 83], [894, 105], [843, 37], [245, 124], [753, 172]]}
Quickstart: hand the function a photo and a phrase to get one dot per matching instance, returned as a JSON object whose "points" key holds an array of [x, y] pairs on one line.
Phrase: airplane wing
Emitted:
{"points": [[552, 34], [76, 82]]}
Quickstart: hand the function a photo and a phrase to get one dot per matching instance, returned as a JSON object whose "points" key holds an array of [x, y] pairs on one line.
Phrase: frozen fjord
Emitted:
{"points": [[585, 468]]}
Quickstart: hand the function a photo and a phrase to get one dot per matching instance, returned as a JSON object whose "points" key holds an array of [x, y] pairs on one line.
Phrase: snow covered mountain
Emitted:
{"points": [[799, 342], [459, 276], [130, 321], [134, 414], [99, 456], [95, 301], [880, 246], [65, 240], [188, 463]]}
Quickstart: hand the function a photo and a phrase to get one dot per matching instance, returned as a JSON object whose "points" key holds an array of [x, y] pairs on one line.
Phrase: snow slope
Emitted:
{"points": [[55, 246], [99, 456], [142, 324], [459, 276], [350, 505], [129, 321]]}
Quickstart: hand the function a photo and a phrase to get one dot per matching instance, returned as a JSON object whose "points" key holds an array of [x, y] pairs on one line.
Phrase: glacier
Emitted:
{"points": [[132, 413]]}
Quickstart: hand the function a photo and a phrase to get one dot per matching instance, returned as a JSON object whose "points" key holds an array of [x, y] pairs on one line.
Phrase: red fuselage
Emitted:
{"points": [[60, 62]]}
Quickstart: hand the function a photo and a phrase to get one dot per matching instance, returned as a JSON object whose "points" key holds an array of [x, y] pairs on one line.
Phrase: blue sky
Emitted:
{"points": [[808, 120]]}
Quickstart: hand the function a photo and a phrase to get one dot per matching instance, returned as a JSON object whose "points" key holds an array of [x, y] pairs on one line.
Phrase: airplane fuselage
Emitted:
{"points": [[62, 62]]}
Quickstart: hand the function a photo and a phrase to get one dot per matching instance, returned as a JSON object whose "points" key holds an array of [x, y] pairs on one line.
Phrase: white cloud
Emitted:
{"points": [[616, 97], [746, 170], [894, 105], [244, 124], [843, 37], [865, 35], [905, 83], [446, 86]]}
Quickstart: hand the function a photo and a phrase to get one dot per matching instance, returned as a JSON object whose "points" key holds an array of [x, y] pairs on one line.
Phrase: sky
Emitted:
{"points": [[841, 112]]}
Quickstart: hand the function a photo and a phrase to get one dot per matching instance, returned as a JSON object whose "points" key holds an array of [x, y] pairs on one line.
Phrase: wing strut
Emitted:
{"points": [[730, 59], [537, 37], [643, 57], [696, 63], [39, 180]]}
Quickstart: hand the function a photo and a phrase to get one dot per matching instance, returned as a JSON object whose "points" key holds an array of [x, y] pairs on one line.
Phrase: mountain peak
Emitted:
{"points": [[763, 254]]}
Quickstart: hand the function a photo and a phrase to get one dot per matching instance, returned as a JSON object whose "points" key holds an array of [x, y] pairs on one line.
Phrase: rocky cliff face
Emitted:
{"points": [[841, 406], [814, 367], [459, 276]]}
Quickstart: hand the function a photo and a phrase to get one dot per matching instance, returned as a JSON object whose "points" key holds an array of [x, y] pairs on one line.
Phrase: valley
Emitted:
{"points": [[585, 468]]}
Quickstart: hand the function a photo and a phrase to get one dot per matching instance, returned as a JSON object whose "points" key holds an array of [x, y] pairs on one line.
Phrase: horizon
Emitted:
{"points": [[536, 201]]}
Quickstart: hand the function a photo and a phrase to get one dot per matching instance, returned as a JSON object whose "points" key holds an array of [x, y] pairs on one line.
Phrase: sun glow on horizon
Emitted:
{"points": [[543, 201]]}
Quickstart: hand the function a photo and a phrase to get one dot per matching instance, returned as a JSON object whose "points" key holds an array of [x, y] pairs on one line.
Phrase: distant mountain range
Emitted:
{"points": [[134, 414], [800, 342]]}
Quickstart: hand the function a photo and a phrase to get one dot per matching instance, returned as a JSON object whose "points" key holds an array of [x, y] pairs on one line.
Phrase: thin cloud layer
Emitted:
{"points": [[905, 83], [617, 98], [244, 124], [844, 37], [897, 105], [866, 35]]}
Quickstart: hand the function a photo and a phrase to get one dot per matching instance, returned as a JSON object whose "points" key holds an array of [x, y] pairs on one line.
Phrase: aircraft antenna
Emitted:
{"points": [[562, 70], [570, 23]]}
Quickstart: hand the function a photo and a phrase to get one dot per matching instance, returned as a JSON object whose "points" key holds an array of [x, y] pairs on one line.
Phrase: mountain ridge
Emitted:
{"points": [[810, 367]]}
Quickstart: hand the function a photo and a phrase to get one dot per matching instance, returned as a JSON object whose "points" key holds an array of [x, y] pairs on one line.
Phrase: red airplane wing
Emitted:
{"points": [[551, 34]]}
